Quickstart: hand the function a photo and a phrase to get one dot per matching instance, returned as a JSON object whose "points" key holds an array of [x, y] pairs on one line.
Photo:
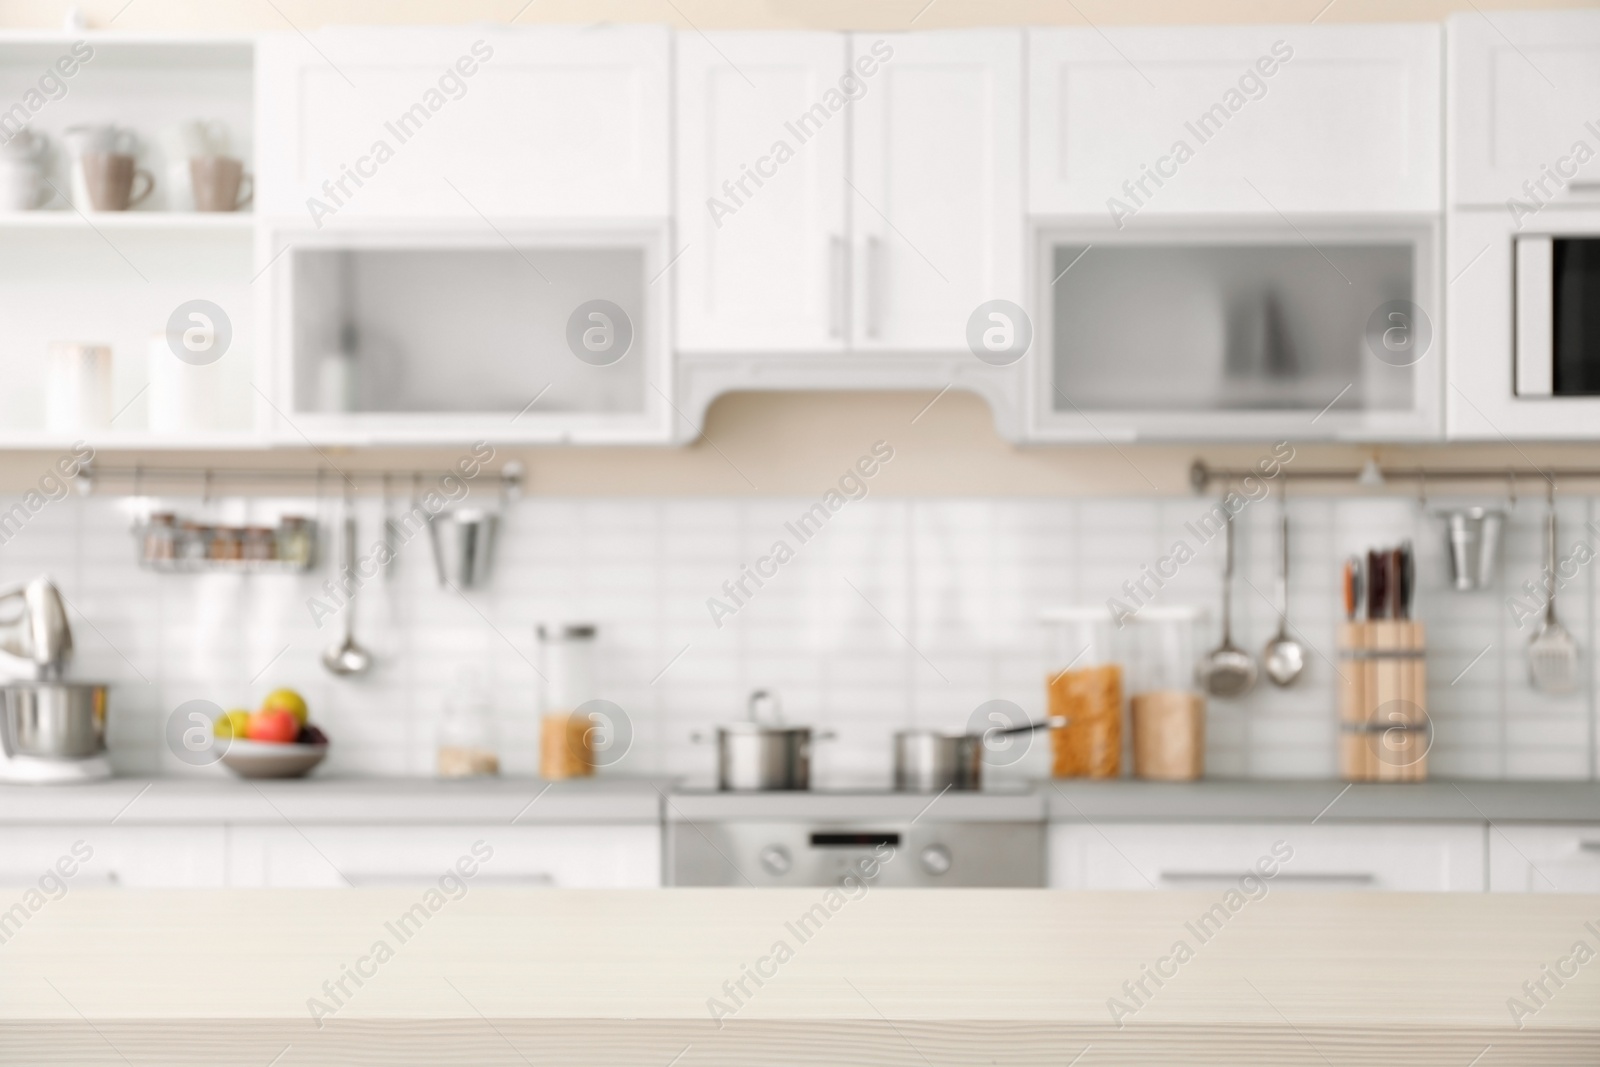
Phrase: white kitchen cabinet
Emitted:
{"points": [[101, 857], [845, 203], [557, 856], [1544, 859], [761, 193], [1524, 110], [451, 333], [472, 122], [936, 185], [1391, 857], [1237, 329], [793, 244], [1239, 119]]}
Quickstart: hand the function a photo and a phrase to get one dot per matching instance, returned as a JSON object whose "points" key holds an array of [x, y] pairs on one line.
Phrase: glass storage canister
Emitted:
{"points": [[566, 655], [1165, 707], [465, 740], [1084, 687]]}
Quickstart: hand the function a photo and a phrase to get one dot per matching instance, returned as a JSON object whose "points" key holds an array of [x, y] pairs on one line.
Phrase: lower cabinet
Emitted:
{"points": [[367, 857], [1535, 858], [1395, 857], [56, 859]]}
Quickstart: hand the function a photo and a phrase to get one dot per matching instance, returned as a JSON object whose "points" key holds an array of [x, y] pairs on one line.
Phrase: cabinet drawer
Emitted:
{"points": [[366, 857], [1544, 859], [1431, 858], [138, 857]]}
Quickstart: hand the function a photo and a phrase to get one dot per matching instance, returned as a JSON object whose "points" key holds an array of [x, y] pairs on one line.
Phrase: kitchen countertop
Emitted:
{"points": [[415, 801], [408, 801], [888, 977], [1322, 801]]}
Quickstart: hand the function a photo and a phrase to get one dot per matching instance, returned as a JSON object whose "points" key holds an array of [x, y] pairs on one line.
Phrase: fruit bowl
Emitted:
{"points": [[272, 759]]}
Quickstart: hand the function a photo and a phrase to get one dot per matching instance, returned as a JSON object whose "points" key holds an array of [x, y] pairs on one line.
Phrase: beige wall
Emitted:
{"points": [[770, 444]]}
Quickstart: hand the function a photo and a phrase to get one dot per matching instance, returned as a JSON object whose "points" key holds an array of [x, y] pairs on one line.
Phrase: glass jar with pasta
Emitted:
{"points": [[1084, 686]]}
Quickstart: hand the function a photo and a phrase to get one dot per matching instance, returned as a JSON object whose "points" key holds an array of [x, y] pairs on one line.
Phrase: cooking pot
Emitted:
{"points": [[757, 756], [53, 720], [926, 761]]}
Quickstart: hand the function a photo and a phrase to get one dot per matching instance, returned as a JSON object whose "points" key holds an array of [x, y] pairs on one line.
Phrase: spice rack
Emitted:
{"points": [[169, 545]]}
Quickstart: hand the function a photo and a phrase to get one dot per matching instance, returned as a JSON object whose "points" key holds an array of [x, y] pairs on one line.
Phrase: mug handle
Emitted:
{"points": [[149, 186], [247, 191]]}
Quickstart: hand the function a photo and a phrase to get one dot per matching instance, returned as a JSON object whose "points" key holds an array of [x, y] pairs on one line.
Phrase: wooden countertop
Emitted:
{"points": [[889, 977]]}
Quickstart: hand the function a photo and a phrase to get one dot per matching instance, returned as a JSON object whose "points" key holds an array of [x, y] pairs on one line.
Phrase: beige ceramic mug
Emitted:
{"points": [[220, 183], [110, 178]]}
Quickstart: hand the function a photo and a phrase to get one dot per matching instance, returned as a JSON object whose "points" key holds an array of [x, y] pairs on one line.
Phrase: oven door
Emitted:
{"points": [[1558, 316]]}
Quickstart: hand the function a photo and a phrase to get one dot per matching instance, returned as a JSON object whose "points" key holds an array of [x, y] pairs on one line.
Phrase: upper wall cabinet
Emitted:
{"points": [[838, 192], [761, 193], [1524, 109], [464, 122], [1260, 119]]}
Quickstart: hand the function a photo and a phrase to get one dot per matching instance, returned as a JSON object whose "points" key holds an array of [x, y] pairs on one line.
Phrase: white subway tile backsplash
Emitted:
{"points": [[896, 613]]}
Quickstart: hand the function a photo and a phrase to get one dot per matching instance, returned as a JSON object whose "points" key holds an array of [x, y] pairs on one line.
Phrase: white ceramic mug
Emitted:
{"points": [[22, 186], [106, 138]]}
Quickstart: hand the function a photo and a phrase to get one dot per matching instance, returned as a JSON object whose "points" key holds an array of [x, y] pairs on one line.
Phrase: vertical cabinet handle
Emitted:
{"points": [[838, 256], [874, 268]]}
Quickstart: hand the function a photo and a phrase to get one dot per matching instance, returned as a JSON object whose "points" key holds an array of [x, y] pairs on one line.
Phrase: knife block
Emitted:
{"points": [[1384, 729]]}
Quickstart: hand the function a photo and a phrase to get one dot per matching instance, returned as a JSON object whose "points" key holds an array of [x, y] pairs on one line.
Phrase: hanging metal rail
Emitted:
{"points": [[140, 480], [1374, 476]]}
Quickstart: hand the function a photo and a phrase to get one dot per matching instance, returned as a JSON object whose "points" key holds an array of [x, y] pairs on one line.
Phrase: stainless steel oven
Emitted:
{"points": [[883, 839]]}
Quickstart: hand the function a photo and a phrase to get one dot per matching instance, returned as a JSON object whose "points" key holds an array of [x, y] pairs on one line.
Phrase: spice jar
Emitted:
{"points": [[258, 543], [1084, 686], [1166, 708], [296, 540], [161, 537], [566, 655]]}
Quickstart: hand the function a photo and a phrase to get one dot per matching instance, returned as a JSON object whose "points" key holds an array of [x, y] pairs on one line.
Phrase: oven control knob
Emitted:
{"points": [[935, 859], [775, 858]]}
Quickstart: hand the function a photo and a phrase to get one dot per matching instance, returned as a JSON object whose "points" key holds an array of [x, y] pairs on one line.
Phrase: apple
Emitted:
{"points": [[279, 726], [287, 700], [232, 723]]}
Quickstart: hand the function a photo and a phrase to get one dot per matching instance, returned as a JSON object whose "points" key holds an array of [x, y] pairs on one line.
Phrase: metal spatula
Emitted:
{"points": [[1553, 654]]}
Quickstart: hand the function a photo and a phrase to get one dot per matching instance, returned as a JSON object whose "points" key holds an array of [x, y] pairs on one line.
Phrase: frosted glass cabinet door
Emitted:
{"points": [[464, 122], [761, 194], [936, 188], [1275, 118]]}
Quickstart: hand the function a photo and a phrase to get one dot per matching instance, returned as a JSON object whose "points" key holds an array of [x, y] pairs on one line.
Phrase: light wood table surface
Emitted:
{"points": [[893, 977]]}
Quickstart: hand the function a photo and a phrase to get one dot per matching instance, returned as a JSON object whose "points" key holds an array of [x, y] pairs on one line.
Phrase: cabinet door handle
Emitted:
{"points": [[1304, 877], [838, 257], [1589, 846], [874, 268]]}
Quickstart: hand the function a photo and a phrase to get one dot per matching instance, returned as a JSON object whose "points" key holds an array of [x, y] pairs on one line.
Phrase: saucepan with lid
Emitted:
{"points": [[762, 754]]}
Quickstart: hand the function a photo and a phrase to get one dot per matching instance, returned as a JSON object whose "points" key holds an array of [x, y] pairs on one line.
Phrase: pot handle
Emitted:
{"points": [[763, 698], [825, 735]]}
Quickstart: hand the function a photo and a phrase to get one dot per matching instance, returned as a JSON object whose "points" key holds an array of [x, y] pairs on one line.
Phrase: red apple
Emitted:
{"points": [[272, 725]]}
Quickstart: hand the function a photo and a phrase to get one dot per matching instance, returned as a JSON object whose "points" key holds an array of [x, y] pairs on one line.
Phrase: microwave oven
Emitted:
{"points": [[1557, 326]]}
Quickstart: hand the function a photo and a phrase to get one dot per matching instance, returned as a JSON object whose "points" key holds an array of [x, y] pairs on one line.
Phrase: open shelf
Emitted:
{"points": [[210, 222]]}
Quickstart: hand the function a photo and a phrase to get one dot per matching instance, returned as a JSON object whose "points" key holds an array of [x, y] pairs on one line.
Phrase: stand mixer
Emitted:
{"points": [[50, 730]]}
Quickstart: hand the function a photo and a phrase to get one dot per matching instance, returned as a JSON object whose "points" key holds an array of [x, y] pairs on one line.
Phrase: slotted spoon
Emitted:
{"points": [[1552, 654]]}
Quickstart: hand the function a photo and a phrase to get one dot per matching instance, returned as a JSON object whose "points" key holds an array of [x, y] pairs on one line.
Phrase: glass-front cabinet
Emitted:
{"points": [[445, 334], [1239, 331]]}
